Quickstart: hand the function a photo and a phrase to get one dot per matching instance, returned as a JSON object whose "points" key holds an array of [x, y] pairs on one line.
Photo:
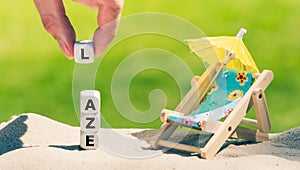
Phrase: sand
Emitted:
{"points": [[31, 141]]}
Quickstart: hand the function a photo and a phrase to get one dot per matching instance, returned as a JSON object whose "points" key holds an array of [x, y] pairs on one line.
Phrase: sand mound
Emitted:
{"points": [[284, 145], [31, 141], [288, 139], [30, 130]]}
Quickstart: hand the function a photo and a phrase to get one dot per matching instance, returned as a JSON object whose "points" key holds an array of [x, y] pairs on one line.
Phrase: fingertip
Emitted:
{"points": [[99, 49], [101, 40], [70, 57], [67, 52]]}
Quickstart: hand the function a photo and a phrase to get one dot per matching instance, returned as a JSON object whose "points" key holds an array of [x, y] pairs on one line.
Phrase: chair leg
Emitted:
{"points": [[261, 110], [226, 129], [232, 121], [163, 133]]}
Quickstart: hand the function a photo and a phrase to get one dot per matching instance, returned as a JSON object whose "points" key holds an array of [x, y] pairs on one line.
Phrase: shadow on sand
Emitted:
{"points": [[67, 147], [198, 139], [11, 133]]}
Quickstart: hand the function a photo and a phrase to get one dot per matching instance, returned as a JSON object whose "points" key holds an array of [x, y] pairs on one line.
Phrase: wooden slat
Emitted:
{"points": [[249, 134], [226, 129], [210, 125], [198, 91], [261, 110], [249, 121], [179, 146], [165, 114], [194, 80], [164, 133]]}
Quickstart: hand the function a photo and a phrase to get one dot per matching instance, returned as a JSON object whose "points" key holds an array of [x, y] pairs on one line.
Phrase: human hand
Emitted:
{"points": [[56, 22]]}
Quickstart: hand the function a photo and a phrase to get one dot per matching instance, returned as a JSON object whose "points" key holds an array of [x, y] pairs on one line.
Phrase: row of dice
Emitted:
{"points": [[89, 100], [89, 119]]}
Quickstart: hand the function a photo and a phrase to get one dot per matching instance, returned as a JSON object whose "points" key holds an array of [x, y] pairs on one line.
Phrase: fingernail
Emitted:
{"points": [[64, 49]]}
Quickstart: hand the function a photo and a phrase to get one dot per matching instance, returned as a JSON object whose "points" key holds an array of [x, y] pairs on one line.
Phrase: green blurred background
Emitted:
{"points": [[37, 78]]}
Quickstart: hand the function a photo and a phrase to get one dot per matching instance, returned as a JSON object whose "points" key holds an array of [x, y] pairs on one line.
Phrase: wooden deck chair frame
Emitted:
{"points": [[230, 126]]}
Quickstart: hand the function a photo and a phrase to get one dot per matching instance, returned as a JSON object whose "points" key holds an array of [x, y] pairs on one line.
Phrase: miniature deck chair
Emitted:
{"points": [[221, 92]]}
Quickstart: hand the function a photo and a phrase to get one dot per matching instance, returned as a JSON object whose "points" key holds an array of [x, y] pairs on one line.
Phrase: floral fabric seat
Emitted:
{"points": [[225, 93]]}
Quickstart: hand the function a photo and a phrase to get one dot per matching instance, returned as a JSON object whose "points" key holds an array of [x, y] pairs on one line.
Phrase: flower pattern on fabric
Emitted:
{"points": [[228, 111], [241, 77], [187, 121], [234, 95], [213, 88]]}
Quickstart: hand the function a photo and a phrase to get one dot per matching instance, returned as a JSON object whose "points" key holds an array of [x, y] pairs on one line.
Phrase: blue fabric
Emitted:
{"points": [[230, 86]]}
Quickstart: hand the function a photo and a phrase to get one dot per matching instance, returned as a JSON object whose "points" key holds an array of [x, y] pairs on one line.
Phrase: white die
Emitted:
{"points": [[89, 140], [84, 52], [90, 101], [90, 122]]}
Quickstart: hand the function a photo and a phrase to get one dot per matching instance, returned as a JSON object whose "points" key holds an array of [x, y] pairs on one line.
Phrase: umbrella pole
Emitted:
{"points": [[230, 55], [241, 33]]}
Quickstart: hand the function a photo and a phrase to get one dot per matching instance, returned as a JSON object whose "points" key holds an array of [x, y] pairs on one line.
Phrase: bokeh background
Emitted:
{"points": [[37, 78]]}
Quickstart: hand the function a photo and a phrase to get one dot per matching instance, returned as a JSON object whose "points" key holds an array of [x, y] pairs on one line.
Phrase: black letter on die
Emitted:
{"points": [[90, 104], [82, 54], [89, 138], [91, 120]]}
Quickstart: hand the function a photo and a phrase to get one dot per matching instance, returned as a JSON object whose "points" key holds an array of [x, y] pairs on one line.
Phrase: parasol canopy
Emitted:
{"points": [[229, 50]]}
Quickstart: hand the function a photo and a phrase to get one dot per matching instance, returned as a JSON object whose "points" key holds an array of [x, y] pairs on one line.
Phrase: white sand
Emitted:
{"points": [[31, 141]]}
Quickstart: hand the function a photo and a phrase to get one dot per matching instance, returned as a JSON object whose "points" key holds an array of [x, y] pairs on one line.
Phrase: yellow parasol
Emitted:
{"points": [[230, 50]]}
